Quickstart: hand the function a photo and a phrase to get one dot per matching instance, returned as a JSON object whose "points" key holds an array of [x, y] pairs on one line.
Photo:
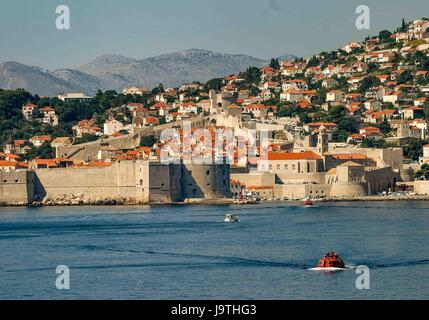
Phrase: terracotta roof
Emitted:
{"points": [[350, 164], [4, 163], [259, 187], [46, 109], [12, 156], [41, 138], [319, 124], [47, 162], [349, 156], [371, 129], [413, 108], [160, 105], [307, 155]]}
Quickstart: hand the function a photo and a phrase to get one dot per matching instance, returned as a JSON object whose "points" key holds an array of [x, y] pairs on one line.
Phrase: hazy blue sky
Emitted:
{"points": [[144, 28]]}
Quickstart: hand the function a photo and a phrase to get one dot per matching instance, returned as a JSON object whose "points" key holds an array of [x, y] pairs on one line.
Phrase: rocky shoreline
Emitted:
{"points": [[378, 198], [80, 200]]}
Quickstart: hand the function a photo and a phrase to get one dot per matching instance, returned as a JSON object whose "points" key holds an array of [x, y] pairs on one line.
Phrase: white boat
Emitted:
{"points": [[231, 218]]}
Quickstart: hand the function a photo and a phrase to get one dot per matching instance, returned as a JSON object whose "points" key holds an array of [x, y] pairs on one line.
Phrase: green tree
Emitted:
{"points": [[147, 141], [414, 148], [385, 126], [313, 62], [425, 64], [252, 75], [348, 125], [384, 35], [214, 84], [275, 64], [368, 82], [404, 26], [86, 138], [337, 113], [339, 136], [373, 143], [405, 77], [423, 173], [371, 67], [45, 151]]}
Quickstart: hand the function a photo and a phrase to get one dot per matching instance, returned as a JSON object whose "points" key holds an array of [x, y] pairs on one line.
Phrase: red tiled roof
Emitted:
{"points": [[307, 155], [349, 156], [4, 163]]}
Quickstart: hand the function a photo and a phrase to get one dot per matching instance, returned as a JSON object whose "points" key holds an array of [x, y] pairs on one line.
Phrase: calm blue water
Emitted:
{"points": [[188, 252]]}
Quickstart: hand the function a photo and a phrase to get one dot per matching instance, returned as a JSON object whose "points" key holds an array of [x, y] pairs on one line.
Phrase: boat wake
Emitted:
{"points": [[332, 269]]}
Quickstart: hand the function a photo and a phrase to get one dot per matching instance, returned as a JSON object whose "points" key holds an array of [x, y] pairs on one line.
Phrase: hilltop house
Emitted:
{"points": [[74, 97], [37, 141], [30, 111], [86, 127], [112, 126]]}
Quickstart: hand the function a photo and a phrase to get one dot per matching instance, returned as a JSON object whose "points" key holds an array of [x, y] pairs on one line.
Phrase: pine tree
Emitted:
{"points": [[404, 26]]}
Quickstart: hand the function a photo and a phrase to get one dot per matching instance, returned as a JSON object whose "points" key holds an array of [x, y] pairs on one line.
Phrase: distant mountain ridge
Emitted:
{"points": [[111, 71]]}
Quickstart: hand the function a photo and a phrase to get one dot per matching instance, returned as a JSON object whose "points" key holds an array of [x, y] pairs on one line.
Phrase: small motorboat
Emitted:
{"points": [[330, 262], [231, 218], [308, 202]]}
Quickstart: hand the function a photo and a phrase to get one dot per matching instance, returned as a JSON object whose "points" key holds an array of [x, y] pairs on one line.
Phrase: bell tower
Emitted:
{"points": [[322, 140]]}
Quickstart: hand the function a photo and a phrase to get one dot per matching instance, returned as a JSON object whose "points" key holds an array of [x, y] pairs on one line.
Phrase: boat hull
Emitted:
{"points": [[328, 269]]}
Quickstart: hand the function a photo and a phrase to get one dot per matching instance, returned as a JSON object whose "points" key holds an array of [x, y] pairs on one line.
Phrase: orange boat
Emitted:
{"points": [[331, 260]]}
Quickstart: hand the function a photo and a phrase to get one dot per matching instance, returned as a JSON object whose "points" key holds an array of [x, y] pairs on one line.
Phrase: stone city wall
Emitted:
{"points": [[125, 181], [16, 187]]}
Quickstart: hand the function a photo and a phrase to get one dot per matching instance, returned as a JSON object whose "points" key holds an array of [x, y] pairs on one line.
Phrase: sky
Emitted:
{"points": [[145, 28]]}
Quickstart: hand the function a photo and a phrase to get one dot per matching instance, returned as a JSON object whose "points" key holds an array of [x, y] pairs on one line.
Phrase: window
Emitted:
{"points": [[208, 172], [293, 167], [278, 167], [286, 166], [141, 182], [162, 184], [271, 167]]}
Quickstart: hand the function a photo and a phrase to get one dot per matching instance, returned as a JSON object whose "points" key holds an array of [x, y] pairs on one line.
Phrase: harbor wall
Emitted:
{"points": [[139, 181], [300, 191], [257, 179], [421, 187], [126, 180], [16, 187]]}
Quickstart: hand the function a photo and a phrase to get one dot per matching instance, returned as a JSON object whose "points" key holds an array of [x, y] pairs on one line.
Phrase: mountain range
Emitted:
{"points": [[116, 72]]}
